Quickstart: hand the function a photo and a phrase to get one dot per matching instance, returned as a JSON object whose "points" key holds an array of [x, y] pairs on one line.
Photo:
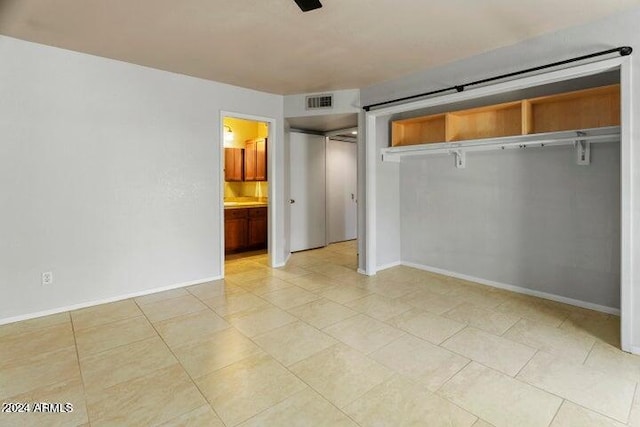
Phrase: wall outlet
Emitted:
{"points": [[47, 278]]}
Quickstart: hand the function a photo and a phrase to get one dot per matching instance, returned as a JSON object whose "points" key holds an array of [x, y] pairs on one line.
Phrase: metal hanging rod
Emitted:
{"points": [[623, 51]]}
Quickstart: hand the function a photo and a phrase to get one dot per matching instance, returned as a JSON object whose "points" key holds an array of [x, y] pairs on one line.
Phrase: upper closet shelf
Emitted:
{"points": [[589, 115]]}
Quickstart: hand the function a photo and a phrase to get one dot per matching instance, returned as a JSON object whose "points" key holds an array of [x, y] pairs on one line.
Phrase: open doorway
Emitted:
{"points": [[323, 184], [246, 160]]}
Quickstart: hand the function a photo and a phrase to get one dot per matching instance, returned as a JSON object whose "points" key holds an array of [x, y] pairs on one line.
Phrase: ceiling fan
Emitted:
{"points": [[307, 5]]}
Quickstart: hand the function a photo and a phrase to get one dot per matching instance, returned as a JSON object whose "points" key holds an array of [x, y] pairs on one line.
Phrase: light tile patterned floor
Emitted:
{"points": [[315, 344]]}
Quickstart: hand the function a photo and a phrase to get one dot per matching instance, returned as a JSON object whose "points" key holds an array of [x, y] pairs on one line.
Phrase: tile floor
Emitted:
{"points": [[315, 344]]}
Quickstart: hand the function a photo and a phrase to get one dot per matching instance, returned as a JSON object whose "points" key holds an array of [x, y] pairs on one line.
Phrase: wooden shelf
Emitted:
{"points": [[419, 130], [485, 122], [589, 108], [583, 109]]}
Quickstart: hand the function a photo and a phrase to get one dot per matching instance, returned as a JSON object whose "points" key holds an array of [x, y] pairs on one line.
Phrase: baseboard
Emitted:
{"points": [[517, 289], [389, 265], [282, 264], [43, 313], [362, 271]]}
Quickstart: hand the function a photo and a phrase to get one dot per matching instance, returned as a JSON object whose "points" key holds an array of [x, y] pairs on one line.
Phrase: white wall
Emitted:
{"points": [[387, 203], [109, 176], [617, 30], [362, 193]]}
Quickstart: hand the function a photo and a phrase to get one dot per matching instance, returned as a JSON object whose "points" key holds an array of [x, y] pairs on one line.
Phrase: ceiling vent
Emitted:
{"points": [[315, 102]]}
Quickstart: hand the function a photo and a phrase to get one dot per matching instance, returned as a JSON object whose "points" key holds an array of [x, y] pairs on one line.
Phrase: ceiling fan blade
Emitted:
{"points": [[307, 5]]}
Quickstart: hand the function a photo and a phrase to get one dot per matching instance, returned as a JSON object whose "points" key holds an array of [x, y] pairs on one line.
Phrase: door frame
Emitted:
{"points": [[272, 211]]}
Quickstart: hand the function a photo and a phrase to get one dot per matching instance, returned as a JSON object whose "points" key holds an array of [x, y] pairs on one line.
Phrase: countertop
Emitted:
{"points": [[245, 203]]}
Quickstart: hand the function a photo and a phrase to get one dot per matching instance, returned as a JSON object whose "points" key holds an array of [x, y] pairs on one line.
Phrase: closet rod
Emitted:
{"points": [[623, 51]]}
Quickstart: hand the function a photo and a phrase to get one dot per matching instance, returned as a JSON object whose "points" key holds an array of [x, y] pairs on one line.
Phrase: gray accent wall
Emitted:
{"points": [[526, 217]]}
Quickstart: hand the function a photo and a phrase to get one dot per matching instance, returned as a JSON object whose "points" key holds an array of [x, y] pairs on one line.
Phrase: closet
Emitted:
{"points": [[575, 110], [532, 200]]}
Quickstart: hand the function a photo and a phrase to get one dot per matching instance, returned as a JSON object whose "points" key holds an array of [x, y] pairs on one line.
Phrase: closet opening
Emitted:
{"points": [[532, 219]]}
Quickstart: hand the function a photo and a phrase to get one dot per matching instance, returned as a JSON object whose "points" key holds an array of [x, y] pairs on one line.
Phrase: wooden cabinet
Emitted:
{"points": [[235, 230], [233, 164], [261, 160], [250, 161], [255, 160], [245, 229], [257, 228], [582, 109], [248, 164]]}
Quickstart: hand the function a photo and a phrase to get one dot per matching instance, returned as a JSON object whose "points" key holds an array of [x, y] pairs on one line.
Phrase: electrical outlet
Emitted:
{"points": [[47, 278]]}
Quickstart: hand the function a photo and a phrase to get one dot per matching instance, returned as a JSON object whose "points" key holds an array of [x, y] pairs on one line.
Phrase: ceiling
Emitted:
{"points": [[324, 123], [270, 45]]}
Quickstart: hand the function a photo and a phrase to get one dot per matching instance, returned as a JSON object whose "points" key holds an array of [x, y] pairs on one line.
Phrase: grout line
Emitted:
{"points": [[593, 345], [112, 321], [635, 394], [520, 319], [116, 347], [526, 363], [557, 411], [84, 388], [436, 391]]}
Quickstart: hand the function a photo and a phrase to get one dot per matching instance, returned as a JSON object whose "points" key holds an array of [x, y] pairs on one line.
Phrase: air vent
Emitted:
{"points": [[315, 102]]}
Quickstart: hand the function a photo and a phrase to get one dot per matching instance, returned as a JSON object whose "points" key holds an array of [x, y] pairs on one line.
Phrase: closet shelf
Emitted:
{"points": [[568, 137]]}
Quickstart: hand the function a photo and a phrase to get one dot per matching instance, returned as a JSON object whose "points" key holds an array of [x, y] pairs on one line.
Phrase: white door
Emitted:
{"points": [[342, 211], [307, 189]]}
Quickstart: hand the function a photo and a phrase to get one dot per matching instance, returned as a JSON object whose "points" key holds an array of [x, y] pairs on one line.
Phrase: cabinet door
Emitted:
{"points": [[257, 233], [233, 164], [235, 234], [261, 160], [235, 230], [238, 162], [250, 161]]}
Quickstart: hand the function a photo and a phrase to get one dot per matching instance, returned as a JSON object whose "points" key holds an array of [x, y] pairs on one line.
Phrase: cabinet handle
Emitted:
{"points": [[291, 201]]}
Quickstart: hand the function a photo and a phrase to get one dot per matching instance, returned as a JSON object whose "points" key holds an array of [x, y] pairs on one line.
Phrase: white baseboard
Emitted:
{"points": [[517, 289], [362, 271], [389, 265], [104, 301], [282, 264]]}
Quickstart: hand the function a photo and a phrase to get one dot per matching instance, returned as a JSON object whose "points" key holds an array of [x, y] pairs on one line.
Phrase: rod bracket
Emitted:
{"points": [[583, 150], [461, 160]]}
